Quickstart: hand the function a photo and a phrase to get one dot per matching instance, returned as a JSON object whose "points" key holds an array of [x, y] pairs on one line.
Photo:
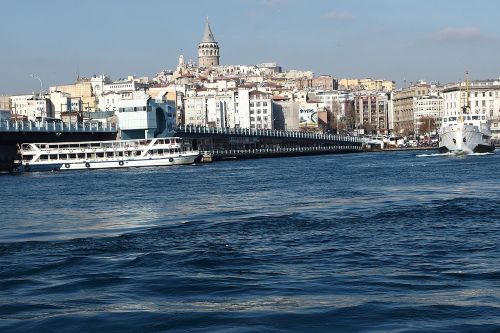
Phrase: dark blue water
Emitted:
{"points": [[372, 242]]}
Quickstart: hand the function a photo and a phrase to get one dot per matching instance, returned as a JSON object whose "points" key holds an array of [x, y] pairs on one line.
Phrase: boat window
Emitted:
{"points": [[475, 117], [483, 117], [453, 118]]}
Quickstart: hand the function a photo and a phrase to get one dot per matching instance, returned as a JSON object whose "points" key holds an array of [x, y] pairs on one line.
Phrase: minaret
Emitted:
{"points": [[208, 50]]}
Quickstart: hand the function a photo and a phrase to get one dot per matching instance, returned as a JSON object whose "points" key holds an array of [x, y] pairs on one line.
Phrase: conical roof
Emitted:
{"points": [[208, 37]]}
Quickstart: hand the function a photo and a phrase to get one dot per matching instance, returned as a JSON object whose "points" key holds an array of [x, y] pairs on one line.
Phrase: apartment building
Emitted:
{"points": [[484, 98], [372, 112], [403, 115]]}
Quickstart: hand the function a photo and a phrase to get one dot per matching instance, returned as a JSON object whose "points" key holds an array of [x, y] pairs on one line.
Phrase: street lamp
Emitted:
{"points": [[41, 86], [41, 94]]}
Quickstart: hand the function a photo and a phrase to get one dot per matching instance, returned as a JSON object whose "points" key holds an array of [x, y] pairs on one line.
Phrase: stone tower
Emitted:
{"points": [[208, 50]]}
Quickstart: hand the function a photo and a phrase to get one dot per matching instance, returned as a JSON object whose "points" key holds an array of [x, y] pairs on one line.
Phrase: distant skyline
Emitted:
{"points": [[436, 41]]}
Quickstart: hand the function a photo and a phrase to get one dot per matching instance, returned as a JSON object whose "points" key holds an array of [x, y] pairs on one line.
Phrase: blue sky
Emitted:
{"points": [[386, 39]]}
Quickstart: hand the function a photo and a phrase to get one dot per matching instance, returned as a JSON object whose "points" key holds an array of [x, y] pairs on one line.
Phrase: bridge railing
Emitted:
{"points": [[35, 126], [276, 150], [265, 132]]}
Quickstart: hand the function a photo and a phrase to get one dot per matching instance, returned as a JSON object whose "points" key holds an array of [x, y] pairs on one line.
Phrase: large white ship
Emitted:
{"points": [[465, 132], [107, 154]]}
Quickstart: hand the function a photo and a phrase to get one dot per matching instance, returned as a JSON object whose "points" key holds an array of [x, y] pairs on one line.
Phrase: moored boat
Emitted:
{"points": [[107, 154]]}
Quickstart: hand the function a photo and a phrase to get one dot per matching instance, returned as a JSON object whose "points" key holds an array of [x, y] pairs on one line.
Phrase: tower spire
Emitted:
{"points": [[208, 50]]}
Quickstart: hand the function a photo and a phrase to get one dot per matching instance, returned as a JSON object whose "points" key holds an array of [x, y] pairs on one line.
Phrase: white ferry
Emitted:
{"points": [[465, 132], [107, 154]]}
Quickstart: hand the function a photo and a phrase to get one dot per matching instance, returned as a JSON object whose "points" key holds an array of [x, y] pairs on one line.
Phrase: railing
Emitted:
{"points": [[57, 127], [266, 132], [277, 150]]}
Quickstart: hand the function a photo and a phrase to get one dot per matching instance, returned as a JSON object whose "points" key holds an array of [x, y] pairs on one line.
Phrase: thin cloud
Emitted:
{"points": [[344, 16], [276, 2], [459, 35]]}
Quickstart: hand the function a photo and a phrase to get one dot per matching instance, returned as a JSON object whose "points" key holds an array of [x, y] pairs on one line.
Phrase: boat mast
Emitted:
{"points": [[461, 102], [467, 85]]}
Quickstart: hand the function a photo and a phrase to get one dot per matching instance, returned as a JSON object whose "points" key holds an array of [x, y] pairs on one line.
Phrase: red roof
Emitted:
{"points": [[280, 98]]}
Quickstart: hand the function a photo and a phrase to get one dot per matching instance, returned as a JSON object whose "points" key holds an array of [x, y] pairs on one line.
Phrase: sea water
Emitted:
{"points": [[370, 242]]}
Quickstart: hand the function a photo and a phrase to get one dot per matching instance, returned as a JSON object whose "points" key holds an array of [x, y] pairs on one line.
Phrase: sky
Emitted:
{"points": [[399, 40]]}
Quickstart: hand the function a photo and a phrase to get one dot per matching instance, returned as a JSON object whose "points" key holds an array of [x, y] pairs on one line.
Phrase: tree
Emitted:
{"points": [[334, 117], [350, 115], [427, 125]]}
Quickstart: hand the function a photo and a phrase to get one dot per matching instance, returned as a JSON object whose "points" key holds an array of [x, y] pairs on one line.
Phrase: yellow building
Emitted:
{"points": [[368, 84], [83, 90]]}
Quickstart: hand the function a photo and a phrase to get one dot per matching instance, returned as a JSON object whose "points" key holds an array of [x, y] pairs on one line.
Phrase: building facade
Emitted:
{"points": [[372, 113], [403, 114]]}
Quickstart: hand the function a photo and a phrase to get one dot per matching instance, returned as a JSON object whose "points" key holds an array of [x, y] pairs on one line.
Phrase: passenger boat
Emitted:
{"points": [[465, 132], [107, 154]]}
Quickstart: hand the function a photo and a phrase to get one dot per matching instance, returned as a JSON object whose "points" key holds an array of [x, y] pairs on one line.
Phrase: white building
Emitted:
{"points": [[484, 98], [113, 92], [60, 102], [195, 110], [427, 106], [332, 99]]}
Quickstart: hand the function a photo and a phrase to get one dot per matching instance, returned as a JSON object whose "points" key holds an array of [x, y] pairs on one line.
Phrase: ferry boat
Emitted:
{"points": [[107, 154], [466, 132]]}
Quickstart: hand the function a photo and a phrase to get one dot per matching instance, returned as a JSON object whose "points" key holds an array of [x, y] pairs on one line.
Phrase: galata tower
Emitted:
{"points": [[208, 50]]}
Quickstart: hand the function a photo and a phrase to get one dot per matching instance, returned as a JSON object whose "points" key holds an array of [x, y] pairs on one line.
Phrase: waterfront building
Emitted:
{"points": [[286, 114], [208, 49], [372, 112], [334, 100], [39, 107], [84, 89], [484, 99], [260, 107], [19, 104], [428, 106], [403, 115], [309, 116], [5, 102], [495, 129], [144, 117], [31, 106], [195, 110], [112, 92], [59, 102]]}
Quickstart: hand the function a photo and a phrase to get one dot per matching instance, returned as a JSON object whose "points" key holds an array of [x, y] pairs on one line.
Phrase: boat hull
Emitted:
{"points": [[109, 164], [466, 139]]}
